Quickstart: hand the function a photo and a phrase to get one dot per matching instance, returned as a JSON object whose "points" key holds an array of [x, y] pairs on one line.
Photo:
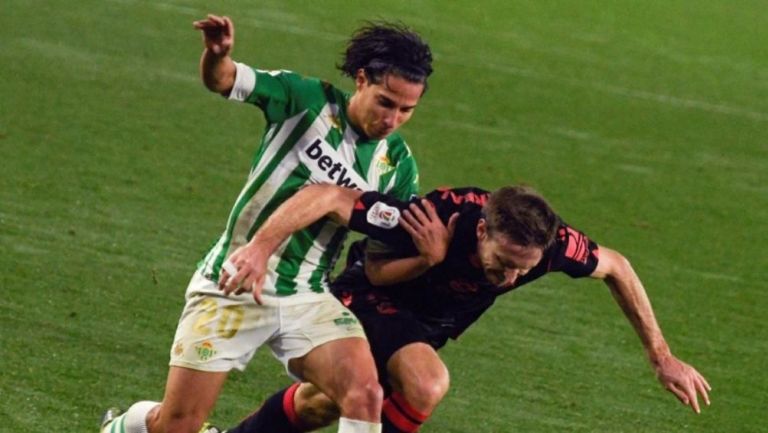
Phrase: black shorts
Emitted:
{"points": [[387, 326]]}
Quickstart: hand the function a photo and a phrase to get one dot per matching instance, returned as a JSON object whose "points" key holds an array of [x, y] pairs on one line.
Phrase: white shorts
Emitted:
{"points": [[219, 333]]}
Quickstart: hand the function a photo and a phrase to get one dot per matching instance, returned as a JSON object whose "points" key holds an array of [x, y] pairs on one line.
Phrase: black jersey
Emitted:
{"points": [[454, 293]]}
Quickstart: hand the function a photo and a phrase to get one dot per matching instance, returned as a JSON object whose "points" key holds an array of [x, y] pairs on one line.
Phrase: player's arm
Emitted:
{"points": [[304, 208], [217, 69], [385, 272], [431, 238], [678, 377]]}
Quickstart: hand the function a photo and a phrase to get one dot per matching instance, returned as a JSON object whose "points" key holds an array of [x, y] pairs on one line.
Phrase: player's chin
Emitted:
{"points": [[493, 279], [380, 133]]}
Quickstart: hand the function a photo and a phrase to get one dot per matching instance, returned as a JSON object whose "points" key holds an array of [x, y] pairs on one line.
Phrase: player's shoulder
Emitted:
{"points": [[298, 82], [286, 74], [572, 242]]}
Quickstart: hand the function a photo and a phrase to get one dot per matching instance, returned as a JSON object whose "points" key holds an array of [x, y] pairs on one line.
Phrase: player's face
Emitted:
{"points": [[379, 109], [502, 260]]}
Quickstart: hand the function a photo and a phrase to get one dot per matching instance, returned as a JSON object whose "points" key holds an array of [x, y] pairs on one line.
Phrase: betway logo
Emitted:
{"points": [[327, 166]]}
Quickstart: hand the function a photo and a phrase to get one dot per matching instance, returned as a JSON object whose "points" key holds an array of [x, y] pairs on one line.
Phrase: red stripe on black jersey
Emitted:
{"points": [[463, 196], [578, 244]]}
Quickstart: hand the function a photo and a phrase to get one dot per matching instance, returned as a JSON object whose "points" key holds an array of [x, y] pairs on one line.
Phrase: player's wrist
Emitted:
{"points": [[431, 260], [262, 246], [217, 54], [658, 354]]}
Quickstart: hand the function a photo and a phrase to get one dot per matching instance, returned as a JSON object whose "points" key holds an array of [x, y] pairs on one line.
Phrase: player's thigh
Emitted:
{"points": [[324, 343], [339, 366], [416, 369]]}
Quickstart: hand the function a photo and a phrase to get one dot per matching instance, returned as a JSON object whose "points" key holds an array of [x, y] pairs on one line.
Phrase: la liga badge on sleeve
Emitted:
{"points": [[383, 215]]}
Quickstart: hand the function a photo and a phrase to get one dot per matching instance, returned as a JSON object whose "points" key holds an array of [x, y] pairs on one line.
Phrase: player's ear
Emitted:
{"points": [[361, 79], [482, 229]]}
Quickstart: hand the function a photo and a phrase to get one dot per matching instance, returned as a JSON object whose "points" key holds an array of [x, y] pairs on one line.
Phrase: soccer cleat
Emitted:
{"points": [[108, 417], [208, 428]]}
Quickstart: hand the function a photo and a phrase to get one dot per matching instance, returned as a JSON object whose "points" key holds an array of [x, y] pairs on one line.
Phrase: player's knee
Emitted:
{"points": [[427, 393], [437, 388], [364, 395]]}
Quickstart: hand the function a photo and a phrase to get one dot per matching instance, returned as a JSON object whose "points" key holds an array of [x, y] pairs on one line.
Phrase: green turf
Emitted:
{"points": [[643, 122]]}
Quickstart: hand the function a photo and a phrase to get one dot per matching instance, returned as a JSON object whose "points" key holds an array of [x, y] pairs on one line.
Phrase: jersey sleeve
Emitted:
{"points": [[573, 253], [405, 186], [280, 94], [377, 215]]}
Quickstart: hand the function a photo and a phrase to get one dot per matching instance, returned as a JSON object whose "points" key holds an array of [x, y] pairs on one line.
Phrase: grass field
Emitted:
{"points": [[643, 122]]}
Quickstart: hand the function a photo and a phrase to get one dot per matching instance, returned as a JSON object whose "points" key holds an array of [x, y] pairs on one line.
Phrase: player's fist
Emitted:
{"points": [[218, 34]]}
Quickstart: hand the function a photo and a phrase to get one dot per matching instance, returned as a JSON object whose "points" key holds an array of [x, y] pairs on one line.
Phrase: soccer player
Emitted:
{"points": [[447, 262], [315, 133]]}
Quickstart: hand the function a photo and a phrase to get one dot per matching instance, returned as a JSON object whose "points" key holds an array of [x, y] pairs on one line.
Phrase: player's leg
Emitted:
{"points": [[322, 342], [419, 381], [300, 407], [408, 366], [344, 370], [189, 397], [215, 334], [313, 408]]}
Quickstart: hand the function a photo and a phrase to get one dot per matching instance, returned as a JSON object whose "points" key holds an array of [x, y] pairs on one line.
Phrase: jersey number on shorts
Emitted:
{"points": [[228, 322]]}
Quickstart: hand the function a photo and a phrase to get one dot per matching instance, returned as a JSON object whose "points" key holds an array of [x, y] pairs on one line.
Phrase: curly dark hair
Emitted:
{"points": [[522, 215], [381, 48]]}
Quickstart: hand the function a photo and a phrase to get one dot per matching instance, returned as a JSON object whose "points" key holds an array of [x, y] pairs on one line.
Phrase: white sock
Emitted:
{"points": [[134, 420], [347, 425]]}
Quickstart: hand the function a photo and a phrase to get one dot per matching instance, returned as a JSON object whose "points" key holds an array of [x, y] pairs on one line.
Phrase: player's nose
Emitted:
{"points": [[510, 276], [388, 122]]}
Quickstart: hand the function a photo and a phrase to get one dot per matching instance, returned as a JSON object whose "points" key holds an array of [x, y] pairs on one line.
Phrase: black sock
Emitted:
{"points": [[276, 415], [398, 416]]}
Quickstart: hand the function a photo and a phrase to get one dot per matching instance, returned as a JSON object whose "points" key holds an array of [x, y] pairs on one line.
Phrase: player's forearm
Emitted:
{"points": [[217, 72], [302, 209], [629, 293], [385, 272]]}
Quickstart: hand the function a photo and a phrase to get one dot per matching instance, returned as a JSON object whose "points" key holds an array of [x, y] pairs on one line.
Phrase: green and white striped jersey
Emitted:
{"points": [[308, 140]]}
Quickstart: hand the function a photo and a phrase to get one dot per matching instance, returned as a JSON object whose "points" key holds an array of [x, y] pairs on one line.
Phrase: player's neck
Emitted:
{"points": [[353, 115]]}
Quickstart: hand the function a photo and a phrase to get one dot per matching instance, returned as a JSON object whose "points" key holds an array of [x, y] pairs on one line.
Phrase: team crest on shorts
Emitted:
{"points": [[383, 215], [205, 350], [346, 319]]}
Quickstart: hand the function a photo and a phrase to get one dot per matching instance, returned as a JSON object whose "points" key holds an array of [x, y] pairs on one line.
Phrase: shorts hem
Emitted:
{"points": [[286, 360], [320, 342], [204, 368]]}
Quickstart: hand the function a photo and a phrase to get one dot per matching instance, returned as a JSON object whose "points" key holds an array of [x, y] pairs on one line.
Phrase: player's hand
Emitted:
{"points": [[683, 381], [218, 34], [245, 270], [428, 232]]}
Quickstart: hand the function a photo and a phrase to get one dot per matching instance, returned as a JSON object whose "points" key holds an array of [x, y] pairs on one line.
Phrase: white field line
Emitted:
{"points": [[274, 21], [710, 275], [82, 58], [628, 92]]}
